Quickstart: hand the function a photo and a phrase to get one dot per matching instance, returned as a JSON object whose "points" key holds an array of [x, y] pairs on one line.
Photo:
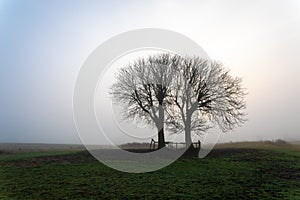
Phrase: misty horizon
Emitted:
{"points": [[44, 45]]}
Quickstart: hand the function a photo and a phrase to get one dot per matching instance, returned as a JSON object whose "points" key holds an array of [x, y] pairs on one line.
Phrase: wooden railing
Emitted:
{"points": [[174, 145]]}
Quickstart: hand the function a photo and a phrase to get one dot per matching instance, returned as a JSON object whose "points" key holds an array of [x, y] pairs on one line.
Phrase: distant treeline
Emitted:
{"points": [[135, 145], [36, 147]]}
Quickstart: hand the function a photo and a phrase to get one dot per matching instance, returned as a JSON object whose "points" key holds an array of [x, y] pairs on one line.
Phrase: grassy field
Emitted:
{"points": [[231, 171]]}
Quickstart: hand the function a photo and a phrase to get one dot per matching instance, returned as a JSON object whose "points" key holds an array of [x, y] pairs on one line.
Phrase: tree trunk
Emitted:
{"points": [[188, 137], [161, 136]]}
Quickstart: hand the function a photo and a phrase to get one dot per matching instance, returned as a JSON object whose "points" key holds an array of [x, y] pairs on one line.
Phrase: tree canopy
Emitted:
{"points": [[187, 94]]}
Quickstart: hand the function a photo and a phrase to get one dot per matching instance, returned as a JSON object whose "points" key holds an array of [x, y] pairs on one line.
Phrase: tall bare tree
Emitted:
{"points": [[203, 94], [142, 87]]}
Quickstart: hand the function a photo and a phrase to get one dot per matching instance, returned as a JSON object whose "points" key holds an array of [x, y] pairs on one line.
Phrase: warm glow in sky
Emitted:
{"points": [[44, 43]]}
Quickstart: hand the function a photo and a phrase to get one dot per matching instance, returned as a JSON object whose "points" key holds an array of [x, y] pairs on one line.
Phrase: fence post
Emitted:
{"points": [[199, 144], [151, 144]]}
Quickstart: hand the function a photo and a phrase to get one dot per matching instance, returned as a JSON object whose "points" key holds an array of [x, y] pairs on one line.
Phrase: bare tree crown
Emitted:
{"points": [[185, 93]]}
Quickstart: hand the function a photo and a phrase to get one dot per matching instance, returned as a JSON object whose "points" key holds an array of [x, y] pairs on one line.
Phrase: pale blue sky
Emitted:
{"points": [[44, 43]]}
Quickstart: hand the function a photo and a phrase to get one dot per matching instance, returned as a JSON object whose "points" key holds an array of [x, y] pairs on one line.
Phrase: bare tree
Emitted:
{"points": [[142, 87], [203, 94], [195, 93]]}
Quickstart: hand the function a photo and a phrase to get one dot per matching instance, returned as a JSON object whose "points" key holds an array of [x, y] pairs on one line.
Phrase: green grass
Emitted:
{"points": [[225, 174]]}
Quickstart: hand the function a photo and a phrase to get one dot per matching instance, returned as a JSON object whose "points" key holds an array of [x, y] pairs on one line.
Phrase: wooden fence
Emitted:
{"points": [[174, 145]]}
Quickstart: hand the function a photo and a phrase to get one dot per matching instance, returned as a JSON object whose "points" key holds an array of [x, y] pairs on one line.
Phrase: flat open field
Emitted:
{"points": [[230, 171]]}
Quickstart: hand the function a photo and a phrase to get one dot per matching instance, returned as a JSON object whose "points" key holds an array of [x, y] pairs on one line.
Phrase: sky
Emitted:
{"points": [[43, 45]]}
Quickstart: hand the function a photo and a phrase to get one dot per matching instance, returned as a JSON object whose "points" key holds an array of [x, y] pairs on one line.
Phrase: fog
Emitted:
{"points": [[44, 44]]}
